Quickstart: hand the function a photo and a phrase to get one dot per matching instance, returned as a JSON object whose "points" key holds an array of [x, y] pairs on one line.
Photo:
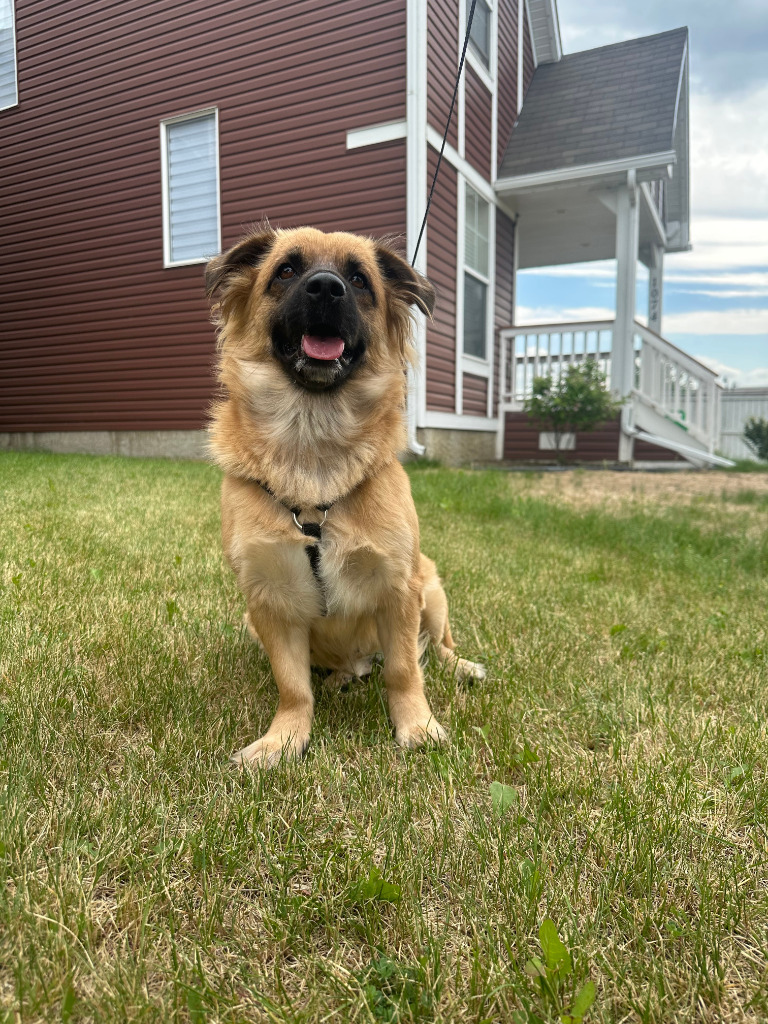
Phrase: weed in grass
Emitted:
{"points": [[395, 991], [553, 976]]}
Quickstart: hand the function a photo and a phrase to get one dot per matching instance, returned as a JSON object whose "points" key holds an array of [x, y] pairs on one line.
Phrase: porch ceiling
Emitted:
{"points": [[572, 224]]}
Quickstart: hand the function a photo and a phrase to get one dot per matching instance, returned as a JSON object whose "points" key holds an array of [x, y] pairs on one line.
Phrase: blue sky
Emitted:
{"points": [[715, 297]]}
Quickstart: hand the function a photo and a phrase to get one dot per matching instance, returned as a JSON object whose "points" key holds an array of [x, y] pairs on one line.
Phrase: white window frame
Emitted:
{"points": [[487, 74], [466, 363], [10, 106], [193, 115]]}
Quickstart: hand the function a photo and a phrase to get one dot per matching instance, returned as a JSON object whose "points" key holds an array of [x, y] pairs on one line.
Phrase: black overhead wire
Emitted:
{"points": [[447, 126]]}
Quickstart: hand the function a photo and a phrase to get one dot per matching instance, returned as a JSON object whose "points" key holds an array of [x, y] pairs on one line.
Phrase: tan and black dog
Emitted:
{"points": [[317, 517]]}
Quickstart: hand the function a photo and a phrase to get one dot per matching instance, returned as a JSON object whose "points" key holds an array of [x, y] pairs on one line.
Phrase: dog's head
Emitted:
{"points": [[323, 305]]}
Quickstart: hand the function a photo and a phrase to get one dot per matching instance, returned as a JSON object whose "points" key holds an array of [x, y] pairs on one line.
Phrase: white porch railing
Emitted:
{"points": [[677, 386], [666, 380], [541, 349]]}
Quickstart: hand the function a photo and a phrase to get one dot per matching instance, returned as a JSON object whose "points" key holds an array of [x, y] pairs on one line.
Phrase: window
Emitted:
{"points": [[190, 162], [476, 270], [9, 93], [480, 35]]}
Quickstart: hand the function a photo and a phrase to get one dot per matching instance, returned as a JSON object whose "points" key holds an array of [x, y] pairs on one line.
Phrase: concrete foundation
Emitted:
{"points": [[169, 444], [451, 447], [457, 447]]}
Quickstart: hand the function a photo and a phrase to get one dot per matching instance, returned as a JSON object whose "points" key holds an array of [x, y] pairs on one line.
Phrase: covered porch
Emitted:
{"points": [[597, 169]]}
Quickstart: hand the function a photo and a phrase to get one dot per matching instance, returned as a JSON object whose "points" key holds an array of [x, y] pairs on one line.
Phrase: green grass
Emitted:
{"points": [[143, 878], [748, 466]]}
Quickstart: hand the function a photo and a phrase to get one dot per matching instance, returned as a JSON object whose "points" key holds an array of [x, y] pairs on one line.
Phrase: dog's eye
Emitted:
{"points": [[358, 281], [286, 272]]}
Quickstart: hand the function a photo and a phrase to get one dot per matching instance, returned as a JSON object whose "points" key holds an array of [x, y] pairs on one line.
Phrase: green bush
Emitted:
{"points": [[576, 400], [756, 437]]}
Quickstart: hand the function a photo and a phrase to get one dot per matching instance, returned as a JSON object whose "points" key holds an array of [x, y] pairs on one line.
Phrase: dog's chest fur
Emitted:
{"points": [[352, 578]]}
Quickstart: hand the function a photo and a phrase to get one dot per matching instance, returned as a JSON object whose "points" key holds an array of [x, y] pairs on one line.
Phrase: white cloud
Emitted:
{"points": [[755, 378], [721, 321], [600, 270], [559, 315], [729, 154], [726, 250]]}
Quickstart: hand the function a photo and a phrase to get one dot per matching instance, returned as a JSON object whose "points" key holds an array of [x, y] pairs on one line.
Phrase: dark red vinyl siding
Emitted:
{"points": [[442, 62], [505, 288], [477, 124], [96, 333], [441, 269], [474, 392], [507, 73], [521, 444]]}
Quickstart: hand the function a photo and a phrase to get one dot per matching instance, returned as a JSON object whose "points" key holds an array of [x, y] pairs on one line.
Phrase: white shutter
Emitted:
{"points": [[193, 189], [9, 95]]}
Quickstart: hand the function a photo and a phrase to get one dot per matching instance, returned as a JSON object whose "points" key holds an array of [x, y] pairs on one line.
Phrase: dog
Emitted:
{"points": [[318, 522]]}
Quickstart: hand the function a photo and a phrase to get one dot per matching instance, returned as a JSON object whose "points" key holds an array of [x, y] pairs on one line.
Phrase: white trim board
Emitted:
{"points": [[563, 175], [475, 179], [653, 213], [416, 199], [452, 421], [375, 134]]}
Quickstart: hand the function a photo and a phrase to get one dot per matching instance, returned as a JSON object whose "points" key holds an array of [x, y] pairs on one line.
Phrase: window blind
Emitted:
{"points": [[193, 201], [9, 95]]}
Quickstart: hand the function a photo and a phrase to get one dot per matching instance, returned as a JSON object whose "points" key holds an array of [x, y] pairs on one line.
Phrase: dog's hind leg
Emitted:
{"points": [[434, 622], [251, 630]]}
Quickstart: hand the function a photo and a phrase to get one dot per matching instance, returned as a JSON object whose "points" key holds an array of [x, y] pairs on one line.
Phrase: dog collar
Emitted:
{"points": [[308, 529]]}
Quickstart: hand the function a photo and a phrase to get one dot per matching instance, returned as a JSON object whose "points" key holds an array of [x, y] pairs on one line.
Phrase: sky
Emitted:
{"points": [[716, 296]]}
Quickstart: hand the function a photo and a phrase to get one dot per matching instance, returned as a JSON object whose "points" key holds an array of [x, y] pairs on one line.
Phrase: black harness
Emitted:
{"points": [[312, 529]]}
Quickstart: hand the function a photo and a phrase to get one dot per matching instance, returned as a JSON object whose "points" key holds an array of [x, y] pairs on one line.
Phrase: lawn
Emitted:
{"points": [[609, 776]]}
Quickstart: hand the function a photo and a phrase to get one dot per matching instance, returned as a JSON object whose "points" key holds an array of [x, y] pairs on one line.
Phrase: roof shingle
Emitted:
{"points": [[610, 103]]}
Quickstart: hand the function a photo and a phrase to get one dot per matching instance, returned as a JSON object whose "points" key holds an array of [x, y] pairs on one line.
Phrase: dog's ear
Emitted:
{"points": [[247, 253], [405, 283]]}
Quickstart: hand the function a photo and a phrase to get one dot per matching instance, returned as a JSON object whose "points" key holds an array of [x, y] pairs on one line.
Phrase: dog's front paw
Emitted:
{"points": [[415, 734], [270, 750]]}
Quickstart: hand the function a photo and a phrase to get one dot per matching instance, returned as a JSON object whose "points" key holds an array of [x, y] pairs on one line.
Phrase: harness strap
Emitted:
{"points": [[314, 530]]}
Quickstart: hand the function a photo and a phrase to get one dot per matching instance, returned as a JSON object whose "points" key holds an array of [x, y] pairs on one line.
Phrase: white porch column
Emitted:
{"points": [[656, 288], [627, 228], [622, 355]]}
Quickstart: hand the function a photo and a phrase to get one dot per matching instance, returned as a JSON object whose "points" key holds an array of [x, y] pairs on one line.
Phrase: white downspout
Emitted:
{"points": [[416, 198]]}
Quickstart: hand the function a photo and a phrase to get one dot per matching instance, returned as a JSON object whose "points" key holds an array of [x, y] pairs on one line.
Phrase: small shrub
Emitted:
{"points": [[756, 437], [576, 400]]}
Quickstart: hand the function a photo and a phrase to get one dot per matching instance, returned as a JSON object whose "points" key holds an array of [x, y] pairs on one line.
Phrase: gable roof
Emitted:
{"points": [[611, 103]]}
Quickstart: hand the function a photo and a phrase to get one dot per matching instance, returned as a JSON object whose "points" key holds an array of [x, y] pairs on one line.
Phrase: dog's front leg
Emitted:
{"points": [[287, 646], [398, 627]]}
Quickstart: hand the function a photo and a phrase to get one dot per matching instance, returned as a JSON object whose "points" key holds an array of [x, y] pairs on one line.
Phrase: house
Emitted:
{"points": [[140, 139]]}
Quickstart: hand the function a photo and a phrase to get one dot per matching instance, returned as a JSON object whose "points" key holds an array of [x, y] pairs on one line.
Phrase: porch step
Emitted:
{"points": [[644, 420], [696, 456]]}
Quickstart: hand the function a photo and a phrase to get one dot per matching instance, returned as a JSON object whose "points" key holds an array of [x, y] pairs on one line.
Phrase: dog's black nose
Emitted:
{"points": [[325, 285]]}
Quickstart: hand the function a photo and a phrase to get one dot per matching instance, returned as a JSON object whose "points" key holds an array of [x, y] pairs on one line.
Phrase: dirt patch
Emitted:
{"points": [[589, 488]]}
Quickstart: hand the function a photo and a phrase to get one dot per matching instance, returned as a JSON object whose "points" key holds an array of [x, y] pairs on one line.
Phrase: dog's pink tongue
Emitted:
{"points": [[322, 348]]}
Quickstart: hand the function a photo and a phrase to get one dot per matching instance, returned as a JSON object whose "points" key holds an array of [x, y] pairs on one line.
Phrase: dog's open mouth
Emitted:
{"points": [[319, 347]]}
